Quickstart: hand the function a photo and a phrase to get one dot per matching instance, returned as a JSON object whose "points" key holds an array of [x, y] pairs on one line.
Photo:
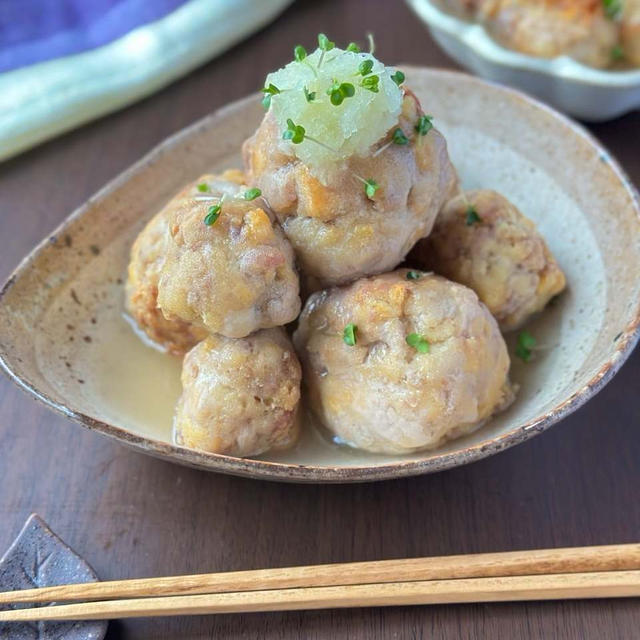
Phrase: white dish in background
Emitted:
{"points": [[581, 91]]}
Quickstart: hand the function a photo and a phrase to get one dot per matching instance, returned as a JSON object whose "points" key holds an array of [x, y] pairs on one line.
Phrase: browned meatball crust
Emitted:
{"points": [[499, 254], [147, 258], [232, 277], [337, 232], [428, 363], [240, 396]]}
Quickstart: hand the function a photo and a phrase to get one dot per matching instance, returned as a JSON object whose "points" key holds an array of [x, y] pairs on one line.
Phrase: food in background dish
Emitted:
{"points": [[240, 396], [401, 362], [463, 8], [594, 32], [147, 259], [483, 241], [349, 163], [228, 268], [630, 32]]}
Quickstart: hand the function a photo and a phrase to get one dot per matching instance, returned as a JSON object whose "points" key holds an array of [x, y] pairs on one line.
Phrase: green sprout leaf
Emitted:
{"points": [[612, 8], [269, 92], [349, 335], [338, 92], [324, 43], [299, 53], [203, 187], [370, 188], [347, 89], [370, 83], [472, 216], [309, 95], [420, 344], [365, 67], [398, 77], [399, 137], [294, 132], [353, 47], [252, 194], [617, 53], [413, 275], [213, 214], [424, 125], [525, 345]]}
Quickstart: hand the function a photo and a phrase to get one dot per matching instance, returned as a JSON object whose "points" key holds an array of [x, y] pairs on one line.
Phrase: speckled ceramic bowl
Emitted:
{"points": [[63, 337]]}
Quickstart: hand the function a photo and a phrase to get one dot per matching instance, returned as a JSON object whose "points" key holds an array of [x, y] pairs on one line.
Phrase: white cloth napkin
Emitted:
{"points": [[43, 100]]}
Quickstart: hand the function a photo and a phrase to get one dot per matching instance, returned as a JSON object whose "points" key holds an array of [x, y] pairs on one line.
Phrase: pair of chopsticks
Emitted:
{"points": [[582, 572]]}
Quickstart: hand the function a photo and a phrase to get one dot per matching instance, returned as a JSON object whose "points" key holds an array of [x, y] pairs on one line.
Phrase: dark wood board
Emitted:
{"points": [[132, 515]]}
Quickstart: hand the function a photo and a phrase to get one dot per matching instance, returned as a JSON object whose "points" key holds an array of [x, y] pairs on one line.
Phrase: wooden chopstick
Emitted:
{"points": [[607, 584], [483, 565]]}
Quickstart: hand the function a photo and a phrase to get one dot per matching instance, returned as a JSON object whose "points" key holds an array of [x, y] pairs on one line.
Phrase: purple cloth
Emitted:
{"points": [[38, 30]]}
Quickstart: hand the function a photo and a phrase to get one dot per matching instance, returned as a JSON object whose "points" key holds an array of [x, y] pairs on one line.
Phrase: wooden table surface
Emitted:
{"points": [[131, 515]]}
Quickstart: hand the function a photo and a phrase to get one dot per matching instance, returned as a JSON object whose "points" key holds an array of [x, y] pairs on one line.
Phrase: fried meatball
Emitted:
{"points": [[428, 364], [630, 31], [550, 28], [232, 277], [147, 258], [240, 396], [483, 241], [338, 233]]}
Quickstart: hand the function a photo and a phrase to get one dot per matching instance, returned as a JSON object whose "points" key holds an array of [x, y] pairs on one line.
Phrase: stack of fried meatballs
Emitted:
{"points": [[390, 361]]}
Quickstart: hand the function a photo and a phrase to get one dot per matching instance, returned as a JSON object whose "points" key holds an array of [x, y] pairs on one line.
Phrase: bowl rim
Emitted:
{"points": [[474, 36], [280, 471]]}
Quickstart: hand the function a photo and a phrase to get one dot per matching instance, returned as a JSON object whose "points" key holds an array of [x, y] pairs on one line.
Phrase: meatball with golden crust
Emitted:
{"points": [[233, 276], [240, 396], [339, 233], [428, 363], [483, 241], [147, 258], [550, 28]]}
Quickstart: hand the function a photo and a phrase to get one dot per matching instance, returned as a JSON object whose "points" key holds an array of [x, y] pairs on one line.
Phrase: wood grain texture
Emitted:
{"points": [[132, 516], [568, 586], [599, 559]]}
